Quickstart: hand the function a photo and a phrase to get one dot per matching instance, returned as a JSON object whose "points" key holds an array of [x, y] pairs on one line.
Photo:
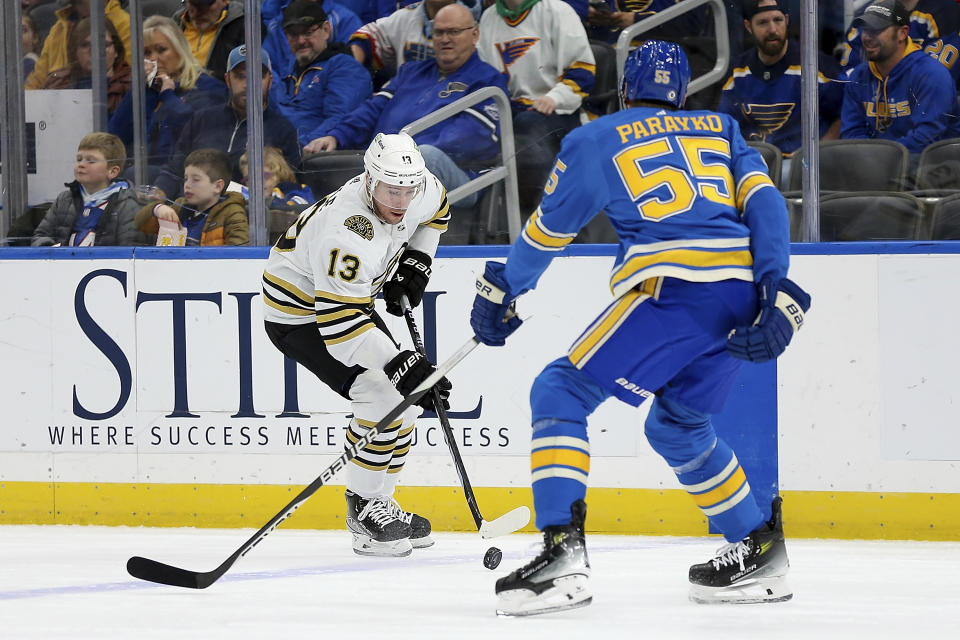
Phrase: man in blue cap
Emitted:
{"points": [[224, 127], [899, 93]]}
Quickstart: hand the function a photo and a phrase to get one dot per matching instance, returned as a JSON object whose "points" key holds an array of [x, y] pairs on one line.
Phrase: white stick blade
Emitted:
{"points": [[505, 524]]}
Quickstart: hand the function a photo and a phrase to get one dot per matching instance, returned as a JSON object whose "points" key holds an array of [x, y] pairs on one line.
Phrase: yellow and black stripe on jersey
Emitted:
{"points": [[441, 218], [342, 318], [285, 297]]}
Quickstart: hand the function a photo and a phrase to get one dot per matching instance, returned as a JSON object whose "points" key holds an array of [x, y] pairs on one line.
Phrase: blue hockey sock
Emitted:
{"points": [[559, 464], [718, 485]]}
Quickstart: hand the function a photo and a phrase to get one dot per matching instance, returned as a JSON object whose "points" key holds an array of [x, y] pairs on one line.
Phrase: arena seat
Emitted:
{"points": [[326, 172], [946, 219], [939, 166], [871, 216], [772, 156], [856, 165]]}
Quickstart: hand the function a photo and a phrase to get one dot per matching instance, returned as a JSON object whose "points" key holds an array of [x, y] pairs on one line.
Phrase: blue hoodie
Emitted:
{"points": [[915, 105]]}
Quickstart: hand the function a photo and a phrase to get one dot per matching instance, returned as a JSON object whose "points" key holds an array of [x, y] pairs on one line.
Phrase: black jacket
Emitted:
{"points": [[115, 227], [220, 128]]}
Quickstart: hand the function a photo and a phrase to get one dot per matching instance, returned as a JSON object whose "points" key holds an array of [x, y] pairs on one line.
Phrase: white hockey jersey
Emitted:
{"points": [[402, 36], [332, 262], [544, 51]]}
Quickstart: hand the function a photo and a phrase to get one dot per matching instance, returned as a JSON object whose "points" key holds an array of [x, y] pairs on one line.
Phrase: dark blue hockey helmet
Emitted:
{"points": [[656, 70]]}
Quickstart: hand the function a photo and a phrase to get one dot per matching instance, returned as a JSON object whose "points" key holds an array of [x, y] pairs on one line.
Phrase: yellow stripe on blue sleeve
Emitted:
{"points": [[749, 185], [537, 235]]}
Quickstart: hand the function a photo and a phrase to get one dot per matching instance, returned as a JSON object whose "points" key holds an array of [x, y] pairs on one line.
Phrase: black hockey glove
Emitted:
{"points": [[408, 369], [410, 280]]}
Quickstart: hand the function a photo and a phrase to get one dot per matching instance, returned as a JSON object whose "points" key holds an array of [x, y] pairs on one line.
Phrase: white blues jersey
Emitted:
{"points": [[333, 261], [544, 52], [404, 35]]}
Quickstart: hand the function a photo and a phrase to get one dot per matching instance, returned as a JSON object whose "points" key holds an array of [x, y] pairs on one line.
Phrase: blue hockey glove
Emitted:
{"points": [[782, 307], [493, 317]]}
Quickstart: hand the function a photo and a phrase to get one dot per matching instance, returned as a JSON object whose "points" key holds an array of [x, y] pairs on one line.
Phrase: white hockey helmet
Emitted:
{"points": [[394, 159]]}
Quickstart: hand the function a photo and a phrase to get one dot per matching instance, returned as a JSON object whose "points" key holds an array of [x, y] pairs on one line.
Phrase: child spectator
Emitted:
{"points": [[284, 191], [31, 43], [210, 216], [96, 208]]}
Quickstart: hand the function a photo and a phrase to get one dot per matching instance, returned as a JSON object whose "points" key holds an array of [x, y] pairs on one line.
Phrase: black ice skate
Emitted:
{"points": [[752, 570], [376, 529], [556, 579], [419, 526]]}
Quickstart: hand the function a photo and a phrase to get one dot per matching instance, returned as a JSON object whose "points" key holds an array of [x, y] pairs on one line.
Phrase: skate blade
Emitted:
{"points": [[422, 543], [568, 592], [365, 546], [754, 591]]}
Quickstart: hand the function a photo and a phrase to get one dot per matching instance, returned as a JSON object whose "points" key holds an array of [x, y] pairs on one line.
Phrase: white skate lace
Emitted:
{"points": [[730, 553], [378, 509], [397, 510]]}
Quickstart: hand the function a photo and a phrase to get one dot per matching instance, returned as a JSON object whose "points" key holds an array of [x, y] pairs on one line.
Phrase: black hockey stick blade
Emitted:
{"points": [[507, 523], [153, 571]]}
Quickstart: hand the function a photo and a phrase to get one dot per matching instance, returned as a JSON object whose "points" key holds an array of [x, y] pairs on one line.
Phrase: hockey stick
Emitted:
{"points": [[508, 522], [153, 571]]}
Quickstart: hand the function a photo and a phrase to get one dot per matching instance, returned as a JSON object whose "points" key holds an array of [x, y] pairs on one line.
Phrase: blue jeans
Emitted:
{"points": [[450, 175]]}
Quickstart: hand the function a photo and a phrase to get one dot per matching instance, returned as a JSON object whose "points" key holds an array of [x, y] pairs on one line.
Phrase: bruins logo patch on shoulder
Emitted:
{"points": [[360, 226]]}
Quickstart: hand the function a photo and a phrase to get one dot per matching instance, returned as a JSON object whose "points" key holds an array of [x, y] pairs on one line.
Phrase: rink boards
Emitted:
{"points": [[139, 389]]}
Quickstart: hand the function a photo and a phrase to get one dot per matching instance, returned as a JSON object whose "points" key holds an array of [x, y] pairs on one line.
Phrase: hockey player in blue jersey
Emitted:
{"points": [[699, 285]]}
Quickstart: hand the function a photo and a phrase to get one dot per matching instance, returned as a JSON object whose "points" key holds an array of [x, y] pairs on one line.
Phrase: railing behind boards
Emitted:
{"points": [[13, 182], [719, 70], [506, 171]]}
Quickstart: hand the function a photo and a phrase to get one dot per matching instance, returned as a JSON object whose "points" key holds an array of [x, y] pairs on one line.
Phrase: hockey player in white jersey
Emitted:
{"points": [[319, 286]]}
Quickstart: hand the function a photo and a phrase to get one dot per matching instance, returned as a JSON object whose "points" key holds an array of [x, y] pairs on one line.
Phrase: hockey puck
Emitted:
{"points": [[491, 559]]}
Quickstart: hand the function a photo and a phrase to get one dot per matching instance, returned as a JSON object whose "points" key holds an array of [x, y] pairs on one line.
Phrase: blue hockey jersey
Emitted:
{"points": [[686, 195], [915, 105], [469, 138], [934, 26], [765, 100]]}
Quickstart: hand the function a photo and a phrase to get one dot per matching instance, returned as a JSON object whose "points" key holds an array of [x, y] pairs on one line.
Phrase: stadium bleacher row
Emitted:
{"points": [[869, 189]]}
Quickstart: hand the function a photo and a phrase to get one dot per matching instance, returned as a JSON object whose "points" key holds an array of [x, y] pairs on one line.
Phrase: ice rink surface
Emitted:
{"points": [[71, 582]]}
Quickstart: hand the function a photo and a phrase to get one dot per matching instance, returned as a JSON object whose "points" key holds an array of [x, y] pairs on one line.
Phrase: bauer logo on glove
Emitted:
{"points": [[782, 308]]}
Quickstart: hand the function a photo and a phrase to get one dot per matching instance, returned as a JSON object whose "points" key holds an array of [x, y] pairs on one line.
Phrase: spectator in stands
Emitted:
{"points": [[456, 148], [343, 22], [177, 87], [224, 127], [326, 82], [605, 19], [280, 182], [54, 52], [404, 35], [78, 74], [934, 26], [543, 47], [899, 93], [96, 208], [763, 94], [30, 44], [211, 215], [213, 28]]}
